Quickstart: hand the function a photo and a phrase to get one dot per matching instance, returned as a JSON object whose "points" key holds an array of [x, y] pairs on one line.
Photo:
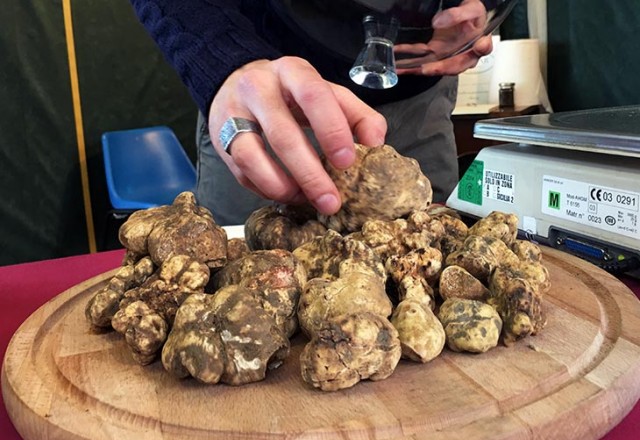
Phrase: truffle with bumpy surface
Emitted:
{"points": [[517, 290], [106, 302], [470, 325], [323, 256], [282, 227], [348, 349], [182, 228], [161, 294], [227, 337], [380, 185], [276, 276]]}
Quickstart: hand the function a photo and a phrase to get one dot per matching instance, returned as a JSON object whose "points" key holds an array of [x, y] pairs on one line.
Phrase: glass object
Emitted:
{"points": [[399, 35], [505, 95], [375, 65]]}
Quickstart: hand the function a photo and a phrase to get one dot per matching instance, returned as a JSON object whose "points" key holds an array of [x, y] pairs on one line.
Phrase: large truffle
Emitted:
{"points": [[275, 275], [356, 290], [183, 228], [349, 349], [225, 337], [381, 185]]}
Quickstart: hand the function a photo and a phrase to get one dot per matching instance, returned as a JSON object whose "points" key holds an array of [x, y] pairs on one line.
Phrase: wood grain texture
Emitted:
{"points": [[577, 379]]}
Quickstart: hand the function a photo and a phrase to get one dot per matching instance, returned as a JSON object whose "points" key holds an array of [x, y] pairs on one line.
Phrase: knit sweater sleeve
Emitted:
{"points": [[204, 41]]}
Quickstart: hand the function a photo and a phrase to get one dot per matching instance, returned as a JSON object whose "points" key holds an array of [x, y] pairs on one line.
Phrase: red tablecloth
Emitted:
{"points": [[25, 287]]}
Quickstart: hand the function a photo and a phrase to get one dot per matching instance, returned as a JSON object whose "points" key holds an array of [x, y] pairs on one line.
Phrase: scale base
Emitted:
{"points": [[586, 204]]}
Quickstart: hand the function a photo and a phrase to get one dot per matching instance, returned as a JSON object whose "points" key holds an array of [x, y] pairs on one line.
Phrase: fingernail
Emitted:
{"points": [[343, 158], [327, 204]]}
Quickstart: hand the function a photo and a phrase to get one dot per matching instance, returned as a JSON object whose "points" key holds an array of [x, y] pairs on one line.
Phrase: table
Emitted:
{"points": [[25, 287]]}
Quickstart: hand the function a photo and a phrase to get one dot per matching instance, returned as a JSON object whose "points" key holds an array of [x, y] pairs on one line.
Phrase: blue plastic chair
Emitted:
{"points": [[145, 167]]}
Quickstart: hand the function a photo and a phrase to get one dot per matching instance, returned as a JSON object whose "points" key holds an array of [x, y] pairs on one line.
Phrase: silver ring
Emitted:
{"points": [[232, 127]]}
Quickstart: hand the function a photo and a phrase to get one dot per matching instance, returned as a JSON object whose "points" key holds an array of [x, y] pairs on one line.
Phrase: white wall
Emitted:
{"points": [[537, 14]]}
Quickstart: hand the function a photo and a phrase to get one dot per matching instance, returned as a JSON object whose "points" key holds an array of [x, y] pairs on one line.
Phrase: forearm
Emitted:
{"points": [[204, 41]]}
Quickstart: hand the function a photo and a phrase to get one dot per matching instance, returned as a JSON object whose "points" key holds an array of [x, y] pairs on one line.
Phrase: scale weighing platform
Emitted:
{"points": [[572, 178]]}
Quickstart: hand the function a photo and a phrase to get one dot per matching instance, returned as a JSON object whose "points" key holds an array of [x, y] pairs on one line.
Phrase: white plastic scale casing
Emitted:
{"points": [[572, 178]]}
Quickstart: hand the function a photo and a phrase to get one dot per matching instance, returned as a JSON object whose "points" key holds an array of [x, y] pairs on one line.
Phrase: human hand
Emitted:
{"points": [[453, 28], [283, 96]]}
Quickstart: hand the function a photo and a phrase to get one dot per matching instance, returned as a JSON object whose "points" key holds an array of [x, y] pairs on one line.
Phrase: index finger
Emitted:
{"points": [[317, 101], [288, 141], [369, 126]]}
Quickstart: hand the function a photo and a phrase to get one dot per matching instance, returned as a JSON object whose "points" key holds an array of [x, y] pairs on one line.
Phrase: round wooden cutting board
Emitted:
{"points": [[577, 379]]}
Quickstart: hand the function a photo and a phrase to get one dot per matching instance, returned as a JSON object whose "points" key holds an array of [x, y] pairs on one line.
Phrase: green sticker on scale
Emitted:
{"points": [[470, 186]]}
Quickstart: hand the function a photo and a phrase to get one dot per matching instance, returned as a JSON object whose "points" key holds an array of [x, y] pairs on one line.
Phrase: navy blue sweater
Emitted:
{"points": [[204, 40]]}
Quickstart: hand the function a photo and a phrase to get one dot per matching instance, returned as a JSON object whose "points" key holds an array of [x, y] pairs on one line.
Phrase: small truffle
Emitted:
{"points": [[162, 294], [517, 290], [421, 334], [528, 251], [498, 225], [236, 248], [400, 236], [480, 255], [106, 302], [144, 330], [422, 263], [456, 282], [282, 227], [470, 325]]}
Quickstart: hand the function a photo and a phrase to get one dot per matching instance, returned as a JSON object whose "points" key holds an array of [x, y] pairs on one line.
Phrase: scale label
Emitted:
{"points": [[470, 186], [498, 185], [610, 209]]}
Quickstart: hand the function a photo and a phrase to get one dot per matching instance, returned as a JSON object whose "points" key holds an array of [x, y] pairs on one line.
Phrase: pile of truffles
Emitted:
{"points": [[171, 251], [388, 277]]}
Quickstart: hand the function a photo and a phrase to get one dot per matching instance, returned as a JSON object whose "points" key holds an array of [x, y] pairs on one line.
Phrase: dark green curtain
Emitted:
{"points": [[42, 213], [516, 25], [124, 83], [593, 52]]}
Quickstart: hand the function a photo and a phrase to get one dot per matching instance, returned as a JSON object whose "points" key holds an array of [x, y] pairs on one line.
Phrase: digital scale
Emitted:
{"points": [[572, 178]]}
